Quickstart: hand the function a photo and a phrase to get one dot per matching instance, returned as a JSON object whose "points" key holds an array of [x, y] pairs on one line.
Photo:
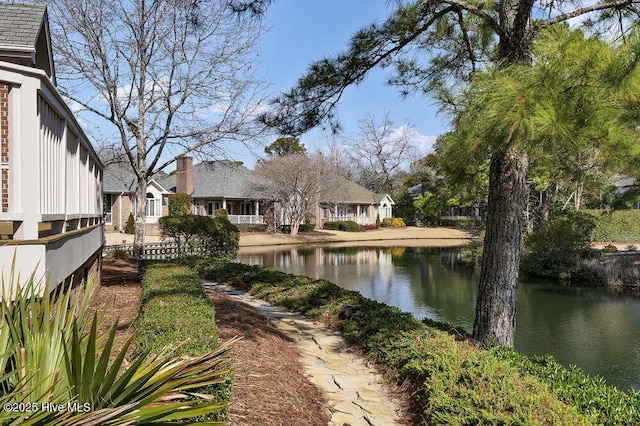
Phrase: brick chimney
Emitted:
{"points": [[184, 175]]}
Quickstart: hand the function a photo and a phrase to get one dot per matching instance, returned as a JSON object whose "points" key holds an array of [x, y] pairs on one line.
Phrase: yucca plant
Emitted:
{"points": [[57, 368]]}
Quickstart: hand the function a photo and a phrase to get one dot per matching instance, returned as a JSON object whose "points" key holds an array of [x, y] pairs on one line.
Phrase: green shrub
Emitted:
{"points": [[556, 246], [222, 214], [252, 227], [622, 226], [202, 235], [179, 204], [175, 311], [395, 222], [454, 381], [307, 227], [343, 225], [461, 223], [130, 228]]}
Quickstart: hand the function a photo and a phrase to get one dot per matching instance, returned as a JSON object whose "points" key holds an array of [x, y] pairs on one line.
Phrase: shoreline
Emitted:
{"points": [[424, 237]]}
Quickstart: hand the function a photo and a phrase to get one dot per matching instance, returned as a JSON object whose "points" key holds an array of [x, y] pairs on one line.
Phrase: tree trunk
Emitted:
{"points": [[141, 218], [295, 226], [496, 306]]}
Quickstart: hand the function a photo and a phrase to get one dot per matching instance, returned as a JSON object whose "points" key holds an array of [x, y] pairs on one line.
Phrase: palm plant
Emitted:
{"points": [[59, 369]]}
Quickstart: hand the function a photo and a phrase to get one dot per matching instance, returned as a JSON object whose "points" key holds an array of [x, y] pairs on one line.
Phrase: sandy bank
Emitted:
{"points": [[422, 237]]}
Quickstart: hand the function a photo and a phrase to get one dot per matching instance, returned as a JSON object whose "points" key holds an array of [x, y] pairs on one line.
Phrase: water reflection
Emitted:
{"points": [[588, 327]]}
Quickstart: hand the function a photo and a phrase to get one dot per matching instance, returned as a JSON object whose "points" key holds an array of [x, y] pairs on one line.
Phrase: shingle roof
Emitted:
{"points": [[116, 178], [350, 192], [218, 179], [20, 23]]}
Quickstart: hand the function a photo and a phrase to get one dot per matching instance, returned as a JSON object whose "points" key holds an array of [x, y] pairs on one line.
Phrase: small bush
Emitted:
{"points": [[555, 247], [609, 248], [307, 227], [179, 204], [119, 254], [396, 222], [343, 225], [222, 214], [130, 228], [202, 235]]}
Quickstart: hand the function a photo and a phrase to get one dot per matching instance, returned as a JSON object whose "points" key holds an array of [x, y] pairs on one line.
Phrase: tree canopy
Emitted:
{"points": [[440, 47], [285, 146]]}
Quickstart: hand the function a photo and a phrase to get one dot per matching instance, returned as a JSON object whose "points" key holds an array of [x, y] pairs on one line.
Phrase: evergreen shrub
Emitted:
{"points": [[179, 204], [558, 244], [252, 227], [621, 226], [175, 311], [396, 222], [343, 225], [202, 235], [130, 228]]}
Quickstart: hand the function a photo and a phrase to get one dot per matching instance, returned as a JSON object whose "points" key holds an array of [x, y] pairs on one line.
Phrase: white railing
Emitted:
{"points": [[361, 220], [245, 218]]}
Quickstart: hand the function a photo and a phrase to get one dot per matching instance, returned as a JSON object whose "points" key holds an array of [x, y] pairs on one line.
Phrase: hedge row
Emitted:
{"points": [[454, 381], [343, 225], [175, 311], [621, 226]]}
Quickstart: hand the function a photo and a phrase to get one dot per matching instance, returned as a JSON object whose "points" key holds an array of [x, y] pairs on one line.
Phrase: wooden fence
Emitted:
{"points": [[152, 251]]}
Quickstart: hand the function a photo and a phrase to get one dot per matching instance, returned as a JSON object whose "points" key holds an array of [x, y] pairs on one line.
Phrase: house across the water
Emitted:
{"points": [[229, 185], [51, 199]]}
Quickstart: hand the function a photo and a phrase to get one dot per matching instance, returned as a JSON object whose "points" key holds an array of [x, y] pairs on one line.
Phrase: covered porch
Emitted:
{"points": [[239, 211]]}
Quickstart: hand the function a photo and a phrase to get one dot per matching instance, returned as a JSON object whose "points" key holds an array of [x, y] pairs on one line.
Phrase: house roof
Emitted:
{"points": [[352, 193], [24, 35], [219, 179], [20, 24], [116, 178]]}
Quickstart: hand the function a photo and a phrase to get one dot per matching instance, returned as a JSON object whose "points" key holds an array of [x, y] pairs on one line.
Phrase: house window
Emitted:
{"points": [[154, 208], [246, 209]]}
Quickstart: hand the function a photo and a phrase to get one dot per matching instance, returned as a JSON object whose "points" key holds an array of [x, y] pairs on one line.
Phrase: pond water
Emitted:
{"points": [[595, 330]]}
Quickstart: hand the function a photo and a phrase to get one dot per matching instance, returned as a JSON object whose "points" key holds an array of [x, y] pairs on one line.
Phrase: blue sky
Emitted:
{"points": [[302, 31]]}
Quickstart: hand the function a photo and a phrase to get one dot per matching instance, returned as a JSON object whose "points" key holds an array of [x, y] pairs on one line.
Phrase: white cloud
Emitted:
{"points": [[424, 143]]}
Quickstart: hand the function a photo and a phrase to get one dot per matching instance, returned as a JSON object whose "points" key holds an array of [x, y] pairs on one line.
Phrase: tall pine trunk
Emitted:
{"points": [[495, 319], [496, 306]]}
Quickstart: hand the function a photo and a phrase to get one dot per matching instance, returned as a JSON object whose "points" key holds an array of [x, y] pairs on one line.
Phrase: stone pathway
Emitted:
{"points": [[354, 390]]}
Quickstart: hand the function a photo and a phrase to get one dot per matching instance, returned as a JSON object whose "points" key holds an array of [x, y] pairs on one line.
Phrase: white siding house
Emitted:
{"points": [[51, 200]]}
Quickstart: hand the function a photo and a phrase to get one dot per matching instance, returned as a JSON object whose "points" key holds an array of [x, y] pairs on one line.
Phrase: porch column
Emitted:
{"points": [[257, 206], [335, 212], [358, 210], [224, 204]]}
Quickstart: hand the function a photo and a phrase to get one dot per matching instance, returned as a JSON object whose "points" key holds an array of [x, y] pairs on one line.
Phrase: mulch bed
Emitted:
{"points": [[269, 388], [118, 299]]}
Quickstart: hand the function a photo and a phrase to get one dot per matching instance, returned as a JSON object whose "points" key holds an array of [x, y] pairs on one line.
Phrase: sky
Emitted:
{"points": [[301, 31]]}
